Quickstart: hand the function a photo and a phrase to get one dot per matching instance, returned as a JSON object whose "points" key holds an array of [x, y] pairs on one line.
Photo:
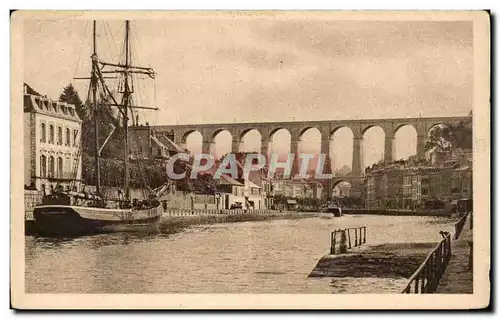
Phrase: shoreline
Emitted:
{"points": [[169, 223]]}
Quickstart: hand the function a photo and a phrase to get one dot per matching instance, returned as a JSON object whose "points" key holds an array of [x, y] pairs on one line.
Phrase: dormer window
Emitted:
{"points": [[39, 103]]}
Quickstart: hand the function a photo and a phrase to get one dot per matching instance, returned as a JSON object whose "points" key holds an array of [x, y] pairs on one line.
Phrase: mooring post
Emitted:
{"points": [[360, 236], [343, 242], [349, 237], [332, 243], [356, 237], [364, 234]]}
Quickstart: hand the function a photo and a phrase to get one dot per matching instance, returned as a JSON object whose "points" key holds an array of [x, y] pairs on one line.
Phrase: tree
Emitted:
{"points": [[448, 137], [70, 96], [440, 137]]}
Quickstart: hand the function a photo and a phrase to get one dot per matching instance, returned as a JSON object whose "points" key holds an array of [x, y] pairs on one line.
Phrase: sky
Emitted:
{"points": [[263, 69]]}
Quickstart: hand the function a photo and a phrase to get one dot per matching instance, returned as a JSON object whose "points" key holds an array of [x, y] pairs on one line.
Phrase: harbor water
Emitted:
{"points": [[273, 256]]}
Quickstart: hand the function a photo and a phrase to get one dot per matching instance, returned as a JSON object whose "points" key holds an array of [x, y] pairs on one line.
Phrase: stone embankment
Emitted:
{"points": [[380, 261], [172, 220], [396, 212]]}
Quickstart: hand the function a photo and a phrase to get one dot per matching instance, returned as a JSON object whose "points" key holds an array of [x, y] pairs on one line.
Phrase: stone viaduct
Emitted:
{"points": [[296, 129]]}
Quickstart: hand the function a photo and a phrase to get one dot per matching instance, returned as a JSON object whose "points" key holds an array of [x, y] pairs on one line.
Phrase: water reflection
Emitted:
{"points": [[248, 257]]}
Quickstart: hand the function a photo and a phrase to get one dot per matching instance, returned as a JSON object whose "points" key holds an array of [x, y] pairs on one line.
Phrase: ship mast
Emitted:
{"points": [[125, 102], [93, 80], [99, 69]]}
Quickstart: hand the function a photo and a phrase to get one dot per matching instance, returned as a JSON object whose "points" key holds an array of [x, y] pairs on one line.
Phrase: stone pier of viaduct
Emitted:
{"points": [[296, 129]]}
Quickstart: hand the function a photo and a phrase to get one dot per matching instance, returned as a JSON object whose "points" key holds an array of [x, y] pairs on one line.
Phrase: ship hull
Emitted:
{"points": [[337, 212], [62, 220]]}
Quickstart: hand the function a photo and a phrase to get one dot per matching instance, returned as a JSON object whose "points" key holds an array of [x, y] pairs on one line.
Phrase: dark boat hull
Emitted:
{"points": [[337, 212], [62, 220]]}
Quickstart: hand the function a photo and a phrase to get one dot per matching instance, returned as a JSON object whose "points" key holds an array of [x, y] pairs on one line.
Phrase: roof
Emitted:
{"points": [[166, 142], [227, 180], [29, 90], [252, 184], [43, 105]]}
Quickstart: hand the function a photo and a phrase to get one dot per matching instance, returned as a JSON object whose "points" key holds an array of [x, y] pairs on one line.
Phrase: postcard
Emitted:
{"points": [[250, 160]]}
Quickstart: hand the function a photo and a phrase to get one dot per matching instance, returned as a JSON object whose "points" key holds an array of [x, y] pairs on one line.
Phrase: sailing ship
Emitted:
{"points": [[70, 213]]}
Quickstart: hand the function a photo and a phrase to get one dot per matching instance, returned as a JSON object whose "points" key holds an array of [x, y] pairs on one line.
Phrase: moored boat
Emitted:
{"points": [[69, 213], [334, 209]]}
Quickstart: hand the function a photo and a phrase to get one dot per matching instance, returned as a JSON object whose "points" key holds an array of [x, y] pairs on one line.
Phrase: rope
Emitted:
{"points": [[76, 165], [143, 177], [81, 48]]}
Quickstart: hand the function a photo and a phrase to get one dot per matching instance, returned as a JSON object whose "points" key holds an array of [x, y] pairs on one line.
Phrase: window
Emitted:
{"points": [[51, 166], [51, 133], [59, 135], [68, 137], [43, 133], [75, 136], [60, 167], [43, 166]]}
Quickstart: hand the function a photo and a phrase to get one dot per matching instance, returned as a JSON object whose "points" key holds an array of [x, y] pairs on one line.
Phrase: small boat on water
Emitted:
{"points": [[334, 209], [69, 213]]}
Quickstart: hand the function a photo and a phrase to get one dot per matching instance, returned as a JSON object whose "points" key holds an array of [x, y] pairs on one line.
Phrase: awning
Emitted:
{"points": [[291, 201]]}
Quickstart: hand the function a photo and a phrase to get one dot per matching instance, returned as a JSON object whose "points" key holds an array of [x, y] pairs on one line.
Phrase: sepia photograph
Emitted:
{"points": [[250, 159]]}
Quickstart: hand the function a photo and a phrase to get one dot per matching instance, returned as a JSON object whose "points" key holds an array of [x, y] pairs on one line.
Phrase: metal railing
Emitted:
{"points": [[357, 239], [460, 225], [427, 276]]}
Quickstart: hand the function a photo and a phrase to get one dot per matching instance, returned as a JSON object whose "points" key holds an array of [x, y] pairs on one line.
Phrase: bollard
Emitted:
{"points": [[349, 237], [343, 242], [332, 242], [355, 237]]}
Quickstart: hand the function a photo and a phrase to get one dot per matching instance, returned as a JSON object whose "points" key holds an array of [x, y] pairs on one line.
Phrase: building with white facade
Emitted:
{"points": [[52, 153]]}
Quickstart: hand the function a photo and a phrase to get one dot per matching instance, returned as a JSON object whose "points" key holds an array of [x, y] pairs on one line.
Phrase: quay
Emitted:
{"points": [[174, 219], [350, 257], [396, 212]]}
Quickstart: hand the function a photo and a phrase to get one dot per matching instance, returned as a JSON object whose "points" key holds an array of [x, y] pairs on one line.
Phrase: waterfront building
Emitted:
{"points": [[144, 143], [444, 177], [293, 190], [52, 154], [243, 194]]}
